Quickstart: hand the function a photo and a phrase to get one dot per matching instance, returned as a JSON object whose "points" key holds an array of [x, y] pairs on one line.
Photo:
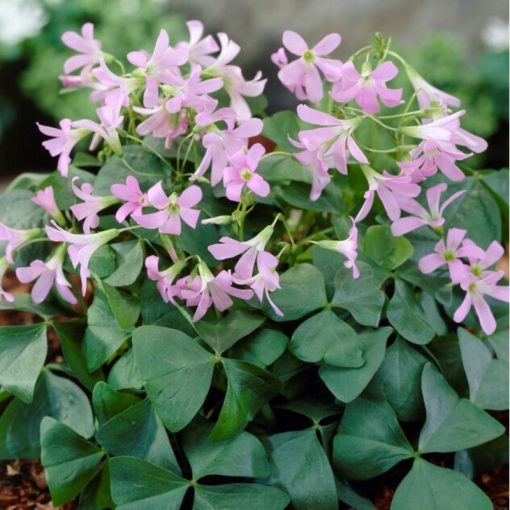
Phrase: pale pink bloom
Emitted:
{"points": [[234, 82], [317, 167], [46, 199], [348, 248], [449, 253], [199, 49], [191, 92], [391, 189], [250, 251], [172, 209], [242, 173], [90, 207], [333, 142], [431, 156], [479, 260], [62, 142], [111, 121], [427, 94], [265, 281], [165, 279], [369, 86], [476, 290], [81, 247], [47, 274], [109, 84], [440, 129], [220, 145], [15, 238], [89, 49], [206, 290], [469, 140], [76, 81], [4, 295], [164, 58], [130, 193], [433, 217], [302, 76]]}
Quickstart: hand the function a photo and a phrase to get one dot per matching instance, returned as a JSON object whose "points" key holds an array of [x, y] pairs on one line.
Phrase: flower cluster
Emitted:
{"points": [[186, 104]]}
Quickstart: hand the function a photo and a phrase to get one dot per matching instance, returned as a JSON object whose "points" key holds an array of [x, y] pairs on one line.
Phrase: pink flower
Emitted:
{"points": [[191, 92], [47, 274], [302, 76], [440, 129], [367, 87], [109, 84], [234, 82], [431, 156], [449, 253], [206, 290], [427, 94], [164, 58], [130, 193], [476, 290], [4, 295], [172, 209], [421, 216], [317, 167], [91, 205], [62, 142], [242, 173], [348, 248], [16, 238], [267, 280], [333, 142], [165, 279], [391, 189], [46, 199], [89, 49], [199, 50], [111, 120], [220, 145], [81, 247], [250, 250]]}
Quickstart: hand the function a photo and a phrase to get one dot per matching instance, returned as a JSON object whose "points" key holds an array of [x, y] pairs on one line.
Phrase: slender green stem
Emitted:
{"points": [[144, 174], [275, 153], [376, 120], [149, 147]]}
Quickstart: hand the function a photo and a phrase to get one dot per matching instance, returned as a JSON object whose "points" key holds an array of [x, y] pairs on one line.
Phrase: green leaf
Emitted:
{"points": [[69, 460], [242, 455], [103, 336], [398, 380], [407, 317], [263, 349], [314, 408], [384, 249], [18, 211], [70, 336], [452, 423], [24, 303], [328, 262], [278, 169], [487, 377], [249, 388], [54, 396], [279, 127], [302, 291], [362, 297], [301, 467], [96, 495], [327, 337], [239, 495], [195, 241], [297, 194], [64, 195], [22, 354], [348, 496], [149, 170], [176, 373], [108, 403], [484, 226], [138, 432], [369, 440], [221, 335], [103, 261], [347, 383], [428, 487], [139, 485], [129, 263], [125, 374], [125, 308]]}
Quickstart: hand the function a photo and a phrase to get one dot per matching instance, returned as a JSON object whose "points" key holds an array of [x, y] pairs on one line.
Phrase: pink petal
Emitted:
{"points": [[463, 310], [404, 225], [190, 197], [157, 197], [385, 72], [259, 186], [190, 216], [172, 225], [313, 84], [485, 316], [429, 263], [294, 42], [327, 44]]}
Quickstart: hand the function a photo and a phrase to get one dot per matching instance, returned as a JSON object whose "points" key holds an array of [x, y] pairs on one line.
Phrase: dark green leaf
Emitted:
{"points": [[129, 263], [279, 127], [369, 440], [262, 349], [22, 354], [383, 248], [108, 403], [125, 374], [314, 408], [125, 308]]}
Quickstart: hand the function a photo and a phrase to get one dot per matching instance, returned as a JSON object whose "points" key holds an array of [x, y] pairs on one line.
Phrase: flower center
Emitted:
{"points": [[308, 56], [449, 255], [245, 174], [476, 270]]}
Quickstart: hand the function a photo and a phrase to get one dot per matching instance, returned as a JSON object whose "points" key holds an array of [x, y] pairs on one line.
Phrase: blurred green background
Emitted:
{"points": [[473, 66]]}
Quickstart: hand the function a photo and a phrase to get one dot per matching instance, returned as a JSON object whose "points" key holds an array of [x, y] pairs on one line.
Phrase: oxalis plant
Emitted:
{"points": [[256, 313]]}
